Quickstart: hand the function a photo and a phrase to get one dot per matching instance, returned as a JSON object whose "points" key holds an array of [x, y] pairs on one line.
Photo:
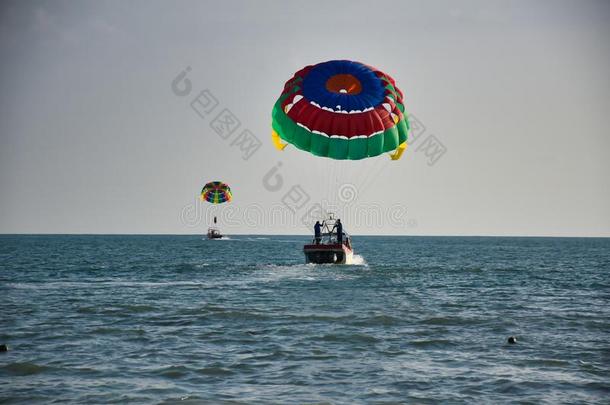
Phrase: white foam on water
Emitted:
{"points": [[276, 272], [358, 260], [95, 284], [250, 239]]}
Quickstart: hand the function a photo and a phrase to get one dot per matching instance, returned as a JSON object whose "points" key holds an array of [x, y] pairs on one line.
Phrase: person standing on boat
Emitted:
{"points": [[317, 229], [339, 227]]}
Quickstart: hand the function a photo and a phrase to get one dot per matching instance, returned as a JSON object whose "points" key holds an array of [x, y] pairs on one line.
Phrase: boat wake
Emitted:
{"points": [[358, 260]]}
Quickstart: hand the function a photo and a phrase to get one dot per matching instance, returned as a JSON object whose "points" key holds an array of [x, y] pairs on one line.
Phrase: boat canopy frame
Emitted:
{"points": [[328, 234]]}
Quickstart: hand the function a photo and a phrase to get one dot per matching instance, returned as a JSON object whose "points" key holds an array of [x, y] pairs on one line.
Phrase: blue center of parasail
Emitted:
{"points": [[315, 89]]}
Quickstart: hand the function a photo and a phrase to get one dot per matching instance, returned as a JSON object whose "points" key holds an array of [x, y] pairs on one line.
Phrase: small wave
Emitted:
{"points": [[174, 372], [350, 338], [254, 239], [186, 267], [107, 331], [214, 371], [87, 310], [184, 400], [275, 272], [136, 309], [297, 266], [231, 313], [274, 355], [324, 318], [430, 343], [592, 368], [83, 284], [548, 362], [455, 321], [378, 320], [24, 368]]}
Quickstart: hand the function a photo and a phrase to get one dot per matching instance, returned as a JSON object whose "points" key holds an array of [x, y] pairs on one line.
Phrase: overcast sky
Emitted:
{"points": [[94, 138]]}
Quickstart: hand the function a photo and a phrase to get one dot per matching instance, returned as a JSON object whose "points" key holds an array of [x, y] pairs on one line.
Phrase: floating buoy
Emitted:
{"points": [[512, 340], [3, 348]]}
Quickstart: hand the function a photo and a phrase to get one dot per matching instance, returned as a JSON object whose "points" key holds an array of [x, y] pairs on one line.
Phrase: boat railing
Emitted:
{"points": [[329, 238]]}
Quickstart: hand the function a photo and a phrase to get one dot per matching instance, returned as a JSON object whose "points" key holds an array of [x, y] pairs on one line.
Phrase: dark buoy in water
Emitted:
{"points": [[512, 340], [3, 348]]}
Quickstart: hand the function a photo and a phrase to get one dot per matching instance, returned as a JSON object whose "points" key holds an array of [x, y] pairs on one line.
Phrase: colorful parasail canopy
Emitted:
{"points": [[342, 110], [216, 192]]}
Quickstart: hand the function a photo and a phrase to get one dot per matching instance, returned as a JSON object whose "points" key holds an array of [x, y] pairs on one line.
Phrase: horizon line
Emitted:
{"points": [[304, 235]]}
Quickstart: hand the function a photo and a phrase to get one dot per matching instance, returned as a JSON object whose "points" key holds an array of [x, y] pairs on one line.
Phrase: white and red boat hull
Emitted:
{"points": [[334, 253]]}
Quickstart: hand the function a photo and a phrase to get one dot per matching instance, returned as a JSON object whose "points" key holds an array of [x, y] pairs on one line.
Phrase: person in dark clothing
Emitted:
{"points": [[317, 231], [339, 227]]}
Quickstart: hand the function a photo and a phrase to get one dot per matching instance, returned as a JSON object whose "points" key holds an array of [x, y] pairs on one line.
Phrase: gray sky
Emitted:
{"points": [[94, 140]]}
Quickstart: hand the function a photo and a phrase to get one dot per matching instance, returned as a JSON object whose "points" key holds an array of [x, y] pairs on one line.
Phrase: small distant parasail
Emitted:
{"points": [[216, 192], [342, 110]]}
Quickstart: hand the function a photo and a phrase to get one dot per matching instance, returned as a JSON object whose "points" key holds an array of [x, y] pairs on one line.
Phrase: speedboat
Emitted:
{"points": [[328, 248], [214, 233]]}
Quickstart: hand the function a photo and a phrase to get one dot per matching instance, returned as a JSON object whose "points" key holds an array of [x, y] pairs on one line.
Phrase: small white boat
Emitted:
{"points": [[214, 233]]}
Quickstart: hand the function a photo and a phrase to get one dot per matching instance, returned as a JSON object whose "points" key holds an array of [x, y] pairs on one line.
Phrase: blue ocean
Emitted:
{"points": [[423, 320]]}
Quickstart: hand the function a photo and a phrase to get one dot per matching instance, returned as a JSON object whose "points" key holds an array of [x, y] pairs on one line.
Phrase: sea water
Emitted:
{"points": [[164, 319]]}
